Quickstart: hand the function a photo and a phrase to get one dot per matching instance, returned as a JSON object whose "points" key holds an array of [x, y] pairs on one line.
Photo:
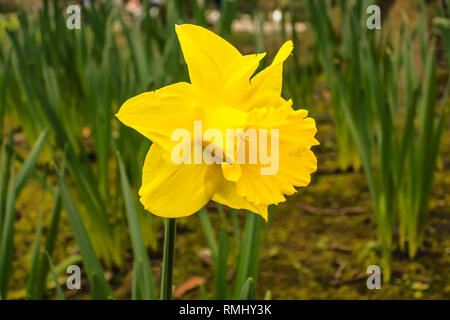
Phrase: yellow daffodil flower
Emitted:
{"points": [[223, 94]]}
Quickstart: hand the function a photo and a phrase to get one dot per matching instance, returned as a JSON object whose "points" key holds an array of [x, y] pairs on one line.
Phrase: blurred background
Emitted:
{"points": [[70, 171]]}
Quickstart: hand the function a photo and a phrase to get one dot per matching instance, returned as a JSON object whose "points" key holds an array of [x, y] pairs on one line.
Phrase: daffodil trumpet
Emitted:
{"points": [[250, 146]]}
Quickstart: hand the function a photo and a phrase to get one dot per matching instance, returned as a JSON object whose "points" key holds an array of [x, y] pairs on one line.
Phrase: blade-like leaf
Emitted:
{"points": [[99, 286], [142, 264]]}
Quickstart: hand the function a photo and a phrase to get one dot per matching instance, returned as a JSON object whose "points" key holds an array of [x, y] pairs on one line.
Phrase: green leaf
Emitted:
{"points": [[142, 268], [248, 260], [49, 246], [248, 290], [99, 286], [221, 268], [32, 278], [7, 240], [59, 290], [209, 232], [30, 162]]}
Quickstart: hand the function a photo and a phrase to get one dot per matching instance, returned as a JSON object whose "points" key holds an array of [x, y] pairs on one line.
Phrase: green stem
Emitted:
{"points": [[168, 258]]}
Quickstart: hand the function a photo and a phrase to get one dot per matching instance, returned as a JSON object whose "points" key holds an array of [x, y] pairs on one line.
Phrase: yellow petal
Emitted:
{"points": [[239, 79], [213, 63], [283, 53], [226, 194], [158, 113], [174, 191], [264, 89], [231, 172]]}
